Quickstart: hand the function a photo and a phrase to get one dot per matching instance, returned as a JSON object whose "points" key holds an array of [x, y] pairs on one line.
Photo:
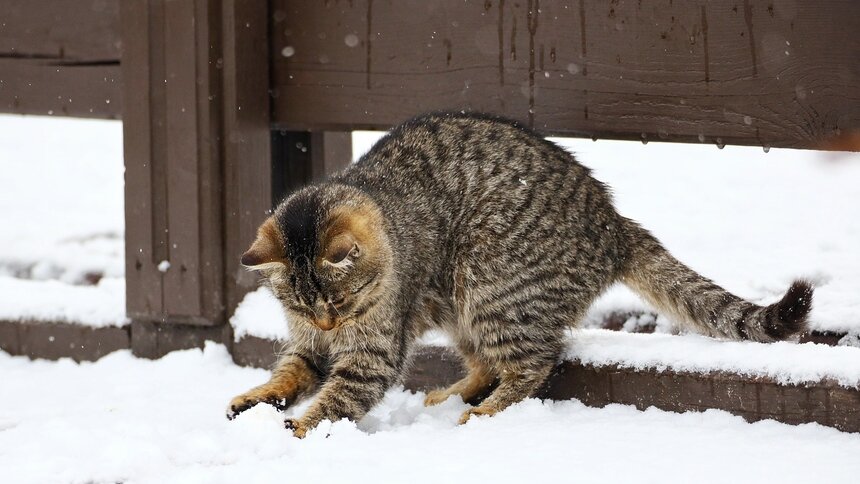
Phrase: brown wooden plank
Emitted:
{"points": [[37, 339], [173, 150], [30, 86], [755, 72], [81, 30], [60, 58], [247, 148], [210, 141], [300, 158], [151, 339], [256, 352], [181, 281], [331, 151], [143, 281], [9, 340]]}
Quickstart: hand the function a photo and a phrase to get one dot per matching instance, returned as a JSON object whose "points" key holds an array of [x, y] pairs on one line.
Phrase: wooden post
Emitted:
{"points": [[300, 158], [197, 162]]}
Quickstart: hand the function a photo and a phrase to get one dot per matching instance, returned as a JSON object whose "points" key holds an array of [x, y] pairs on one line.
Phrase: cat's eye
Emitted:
{"points": [[337, 301]]}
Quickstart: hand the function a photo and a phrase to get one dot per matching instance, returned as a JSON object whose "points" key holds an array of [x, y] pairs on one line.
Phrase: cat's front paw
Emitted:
{"points": [[299, 429], [479, 410], [436, 397], [261, 394]]}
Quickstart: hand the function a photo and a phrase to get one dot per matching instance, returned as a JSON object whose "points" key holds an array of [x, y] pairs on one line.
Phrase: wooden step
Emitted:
{"points": [[824, 402], [754, 398]]}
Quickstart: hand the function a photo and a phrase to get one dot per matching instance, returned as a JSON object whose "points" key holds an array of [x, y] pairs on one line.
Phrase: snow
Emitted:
{"points": [[751, 222], [61, 198], [61, 202], [261, 315], [785, 362], [98, 305], [123, 419]]}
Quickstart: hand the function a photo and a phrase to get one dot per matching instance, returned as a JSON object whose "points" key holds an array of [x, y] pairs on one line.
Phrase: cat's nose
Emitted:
{"points": [[326, 323]]}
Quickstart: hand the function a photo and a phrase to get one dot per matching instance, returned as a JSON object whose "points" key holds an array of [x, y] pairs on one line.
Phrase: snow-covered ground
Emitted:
{"points": [[123, 419], [61, 198], [61, 205]]}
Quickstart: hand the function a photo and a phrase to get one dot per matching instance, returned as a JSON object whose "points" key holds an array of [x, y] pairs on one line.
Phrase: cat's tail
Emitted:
{"points": [[695, 301]]}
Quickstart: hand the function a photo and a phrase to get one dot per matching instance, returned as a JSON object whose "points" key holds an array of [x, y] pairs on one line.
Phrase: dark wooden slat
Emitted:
{"points": [[753, 399], [331, 151], [142, 279], [210, 150], [61, 58], [52, 341], [182, 284], [755, 72], [247, 152], [300, 158], [254, 351], [173, 161], [150, 339], [80, 30]]}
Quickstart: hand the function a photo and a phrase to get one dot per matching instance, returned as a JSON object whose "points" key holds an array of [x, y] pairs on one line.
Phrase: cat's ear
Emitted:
{"points": [[341, 250], [268, 248]]}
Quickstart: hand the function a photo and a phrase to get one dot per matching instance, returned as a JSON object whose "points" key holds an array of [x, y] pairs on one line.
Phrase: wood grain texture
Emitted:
{"points": [[246, 139], [174, 180], [150, 339], [755, 72], [52, 341], [754, 399], [142, 279], [59, 57]]}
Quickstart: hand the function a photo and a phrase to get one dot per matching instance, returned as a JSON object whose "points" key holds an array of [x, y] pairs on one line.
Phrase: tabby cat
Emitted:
{"points": [[481, 228]]}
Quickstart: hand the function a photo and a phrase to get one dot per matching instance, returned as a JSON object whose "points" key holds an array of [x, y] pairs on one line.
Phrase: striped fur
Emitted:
{"points": [[481, 228]]}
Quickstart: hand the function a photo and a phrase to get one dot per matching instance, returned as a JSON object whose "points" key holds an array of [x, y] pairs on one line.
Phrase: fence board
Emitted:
{"points": [[755, 72], [247, 149], [60, 57], [173, 162]]}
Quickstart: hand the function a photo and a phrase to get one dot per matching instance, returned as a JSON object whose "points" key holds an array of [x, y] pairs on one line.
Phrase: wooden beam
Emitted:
{"points": [[52, 341], [753, 72], [754, 399], [60, 58]]}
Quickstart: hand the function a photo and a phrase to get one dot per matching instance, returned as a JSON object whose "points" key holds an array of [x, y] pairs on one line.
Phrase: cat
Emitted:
{"points": [[482, 228]]}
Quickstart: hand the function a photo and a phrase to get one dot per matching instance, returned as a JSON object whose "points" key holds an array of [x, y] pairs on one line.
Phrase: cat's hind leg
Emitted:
{"points": [[513, 387], [477, 382]]}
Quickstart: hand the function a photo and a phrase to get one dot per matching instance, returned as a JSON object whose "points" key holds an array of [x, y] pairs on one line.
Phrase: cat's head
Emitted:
{"points": [[326, 255]]}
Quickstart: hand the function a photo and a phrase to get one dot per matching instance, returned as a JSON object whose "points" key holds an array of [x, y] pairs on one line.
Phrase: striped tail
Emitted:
{"points": [[695, 301]]}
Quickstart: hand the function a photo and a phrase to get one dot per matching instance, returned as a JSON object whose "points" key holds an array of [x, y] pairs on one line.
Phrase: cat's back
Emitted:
{"points": [[488, 180], [467, 157]]}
